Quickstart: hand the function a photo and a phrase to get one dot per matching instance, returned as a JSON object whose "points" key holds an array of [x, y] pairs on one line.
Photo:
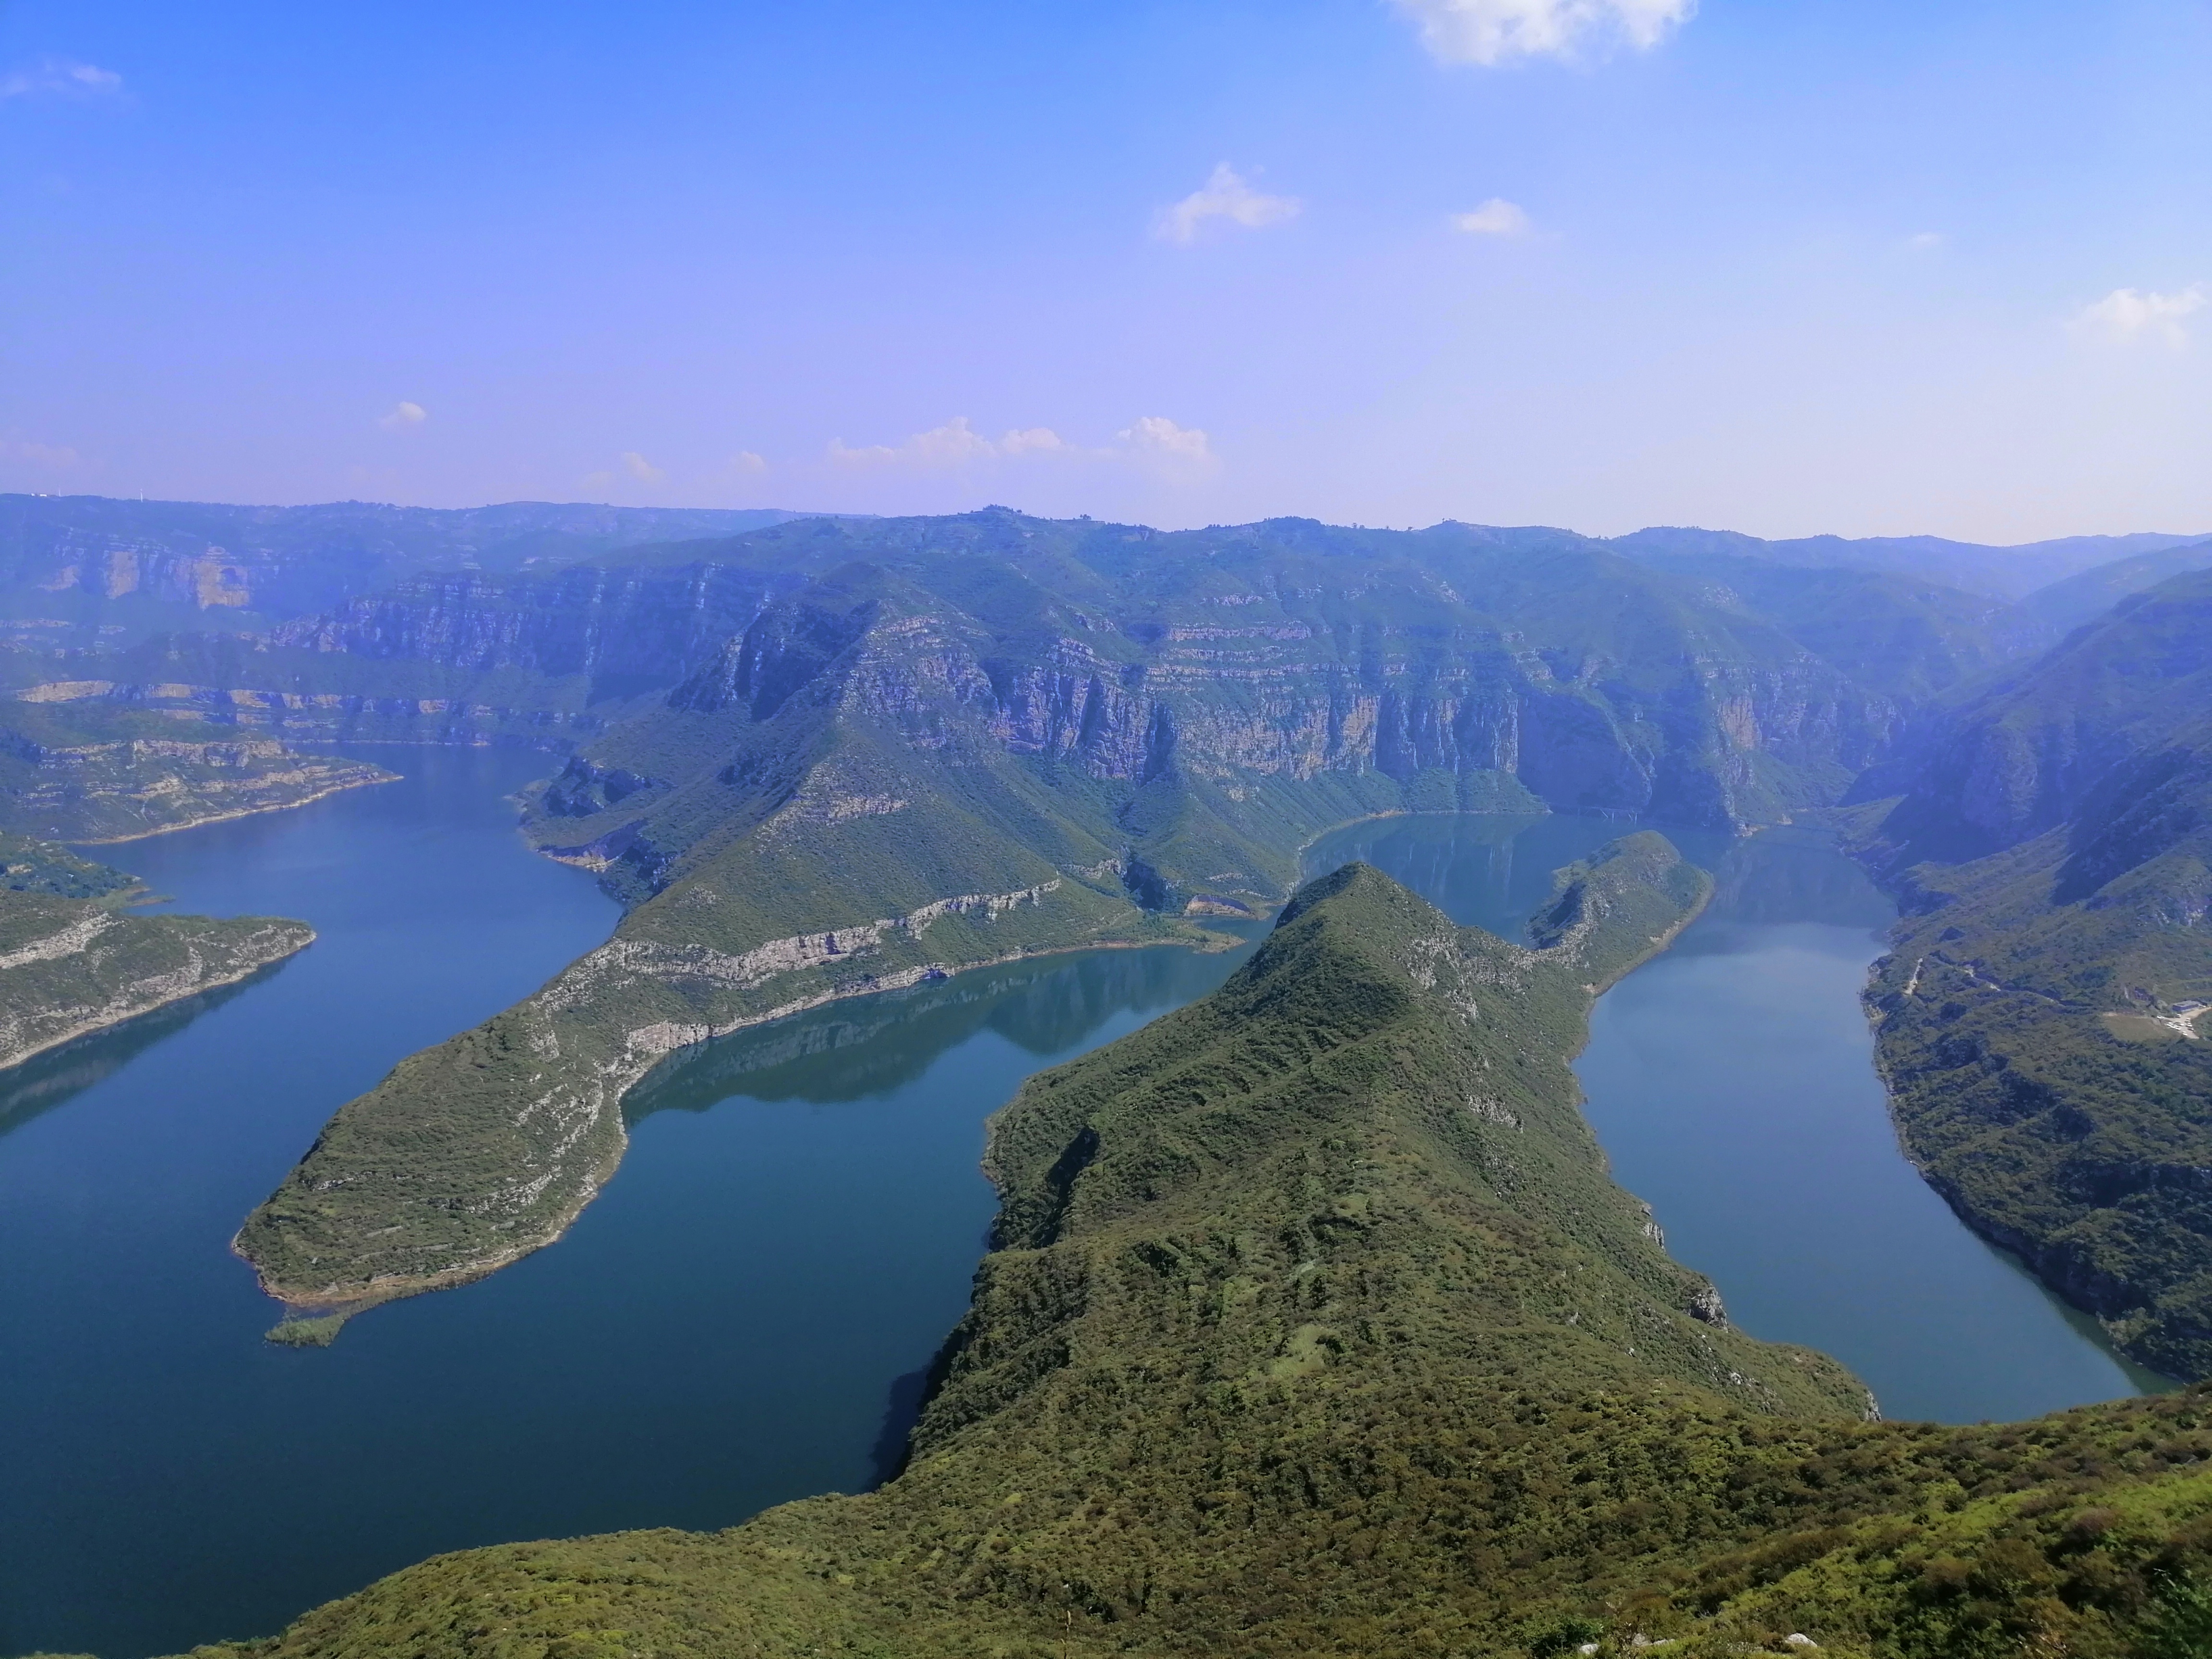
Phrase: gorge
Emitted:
{"points": [[833, 771]]}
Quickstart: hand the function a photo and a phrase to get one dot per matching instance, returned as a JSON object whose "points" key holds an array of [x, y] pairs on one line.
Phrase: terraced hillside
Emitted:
{"points": [[1312, 1325]]}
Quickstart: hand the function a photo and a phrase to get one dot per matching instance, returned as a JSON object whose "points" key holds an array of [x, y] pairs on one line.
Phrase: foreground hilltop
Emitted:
{"points": [[1312, 1324]]}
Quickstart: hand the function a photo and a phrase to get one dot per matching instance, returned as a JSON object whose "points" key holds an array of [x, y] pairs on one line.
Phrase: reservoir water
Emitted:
{"points": [[741, 1318], [743, 1315]]}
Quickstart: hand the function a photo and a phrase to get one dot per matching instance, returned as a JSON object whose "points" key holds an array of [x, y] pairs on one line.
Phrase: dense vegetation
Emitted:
{"points": [[1312, 1325]]}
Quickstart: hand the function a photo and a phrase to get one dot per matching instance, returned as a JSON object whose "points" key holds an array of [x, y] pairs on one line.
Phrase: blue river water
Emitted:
{"points": [[745, 1314]]}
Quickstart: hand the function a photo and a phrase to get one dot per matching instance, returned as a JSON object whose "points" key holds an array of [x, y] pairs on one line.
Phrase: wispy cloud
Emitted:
{"points": [[403, 416], [1495, 217], [58, 77], [1226, 195], [955, 444], [1491, 31], [742, 464], [642, 469], [1153, 442], [2128, 314], [1922, 241]]}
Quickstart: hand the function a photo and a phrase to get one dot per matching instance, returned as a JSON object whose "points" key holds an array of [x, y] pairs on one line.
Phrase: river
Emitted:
{"points": [[745, 1314]]}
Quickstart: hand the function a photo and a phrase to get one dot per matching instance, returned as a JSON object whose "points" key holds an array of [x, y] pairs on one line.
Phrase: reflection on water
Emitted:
{"points": [[745, 1317], [60, 1074], [745, 1314], [1732, 1083], [876, 1045]]}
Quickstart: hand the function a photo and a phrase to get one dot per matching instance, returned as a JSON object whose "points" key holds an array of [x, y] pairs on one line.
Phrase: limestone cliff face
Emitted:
{"points": [[620, 630], [68, 967]]}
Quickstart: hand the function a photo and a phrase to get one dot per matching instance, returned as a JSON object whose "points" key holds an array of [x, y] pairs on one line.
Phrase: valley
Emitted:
{"points": [[849, 777]]}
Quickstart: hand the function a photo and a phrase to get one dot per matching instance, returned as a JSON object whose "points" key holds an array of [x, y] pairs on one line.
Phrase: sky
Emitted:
{"points": [[1785, 266]]}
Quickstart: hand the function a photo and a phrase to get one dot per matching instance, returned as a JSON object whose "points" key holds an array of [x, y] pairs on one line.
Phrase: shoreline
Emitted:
{"points": [[302, 1305], [200, 989]]}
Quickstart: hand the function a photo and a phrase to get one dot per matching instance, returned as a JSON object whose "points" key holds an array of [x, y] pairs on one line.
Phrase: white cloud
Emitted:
{"points": [[1035, 441], [1490, 31], [1495, 217], [955, 444], [59, 77], [1925, 240], [1226, 195], [403, 416], [2128, 314], [1180, 452], [640, 469], [744, 465]]}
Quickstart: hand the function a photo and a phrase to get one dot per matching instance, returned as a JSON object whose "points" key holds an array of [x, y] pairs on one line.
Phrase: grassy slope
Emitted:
{"points": [[1110, 725], [1313, 1325]]}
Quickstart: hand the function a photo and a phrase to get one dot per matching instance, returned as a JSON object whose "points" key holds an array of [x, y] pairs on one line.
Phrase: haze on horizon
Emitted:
{"points": [[1867, 268]]}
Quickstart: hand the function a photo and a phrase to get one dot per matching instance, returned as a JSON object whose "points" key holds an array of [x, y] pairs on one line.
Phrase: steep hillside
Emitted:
{"points": [[2039, 1017], [1312, 1325], [1911, 639]]}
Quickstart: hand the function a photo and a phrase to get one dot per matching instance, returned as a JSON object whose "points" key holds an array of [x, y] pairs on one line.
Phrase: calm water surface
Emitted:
{"points": [[745, 1314]]}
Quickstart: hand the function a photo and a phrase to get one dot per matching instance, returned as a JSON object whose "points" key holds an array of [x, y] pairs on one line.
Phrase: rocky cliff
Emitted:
{"points": [[1005, 736]]}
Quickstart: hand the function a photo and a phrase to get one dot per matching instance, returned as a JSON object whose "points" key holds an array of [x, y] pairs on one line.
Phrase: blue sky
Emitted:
{"points": [[1834, 264]]}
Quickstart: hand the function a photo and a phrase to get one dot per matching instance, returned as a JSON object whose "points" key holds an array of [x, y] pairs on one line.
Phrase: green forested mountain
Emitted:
{"points": [[998, 735], [1313, 1325], [2039, 1017]]}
